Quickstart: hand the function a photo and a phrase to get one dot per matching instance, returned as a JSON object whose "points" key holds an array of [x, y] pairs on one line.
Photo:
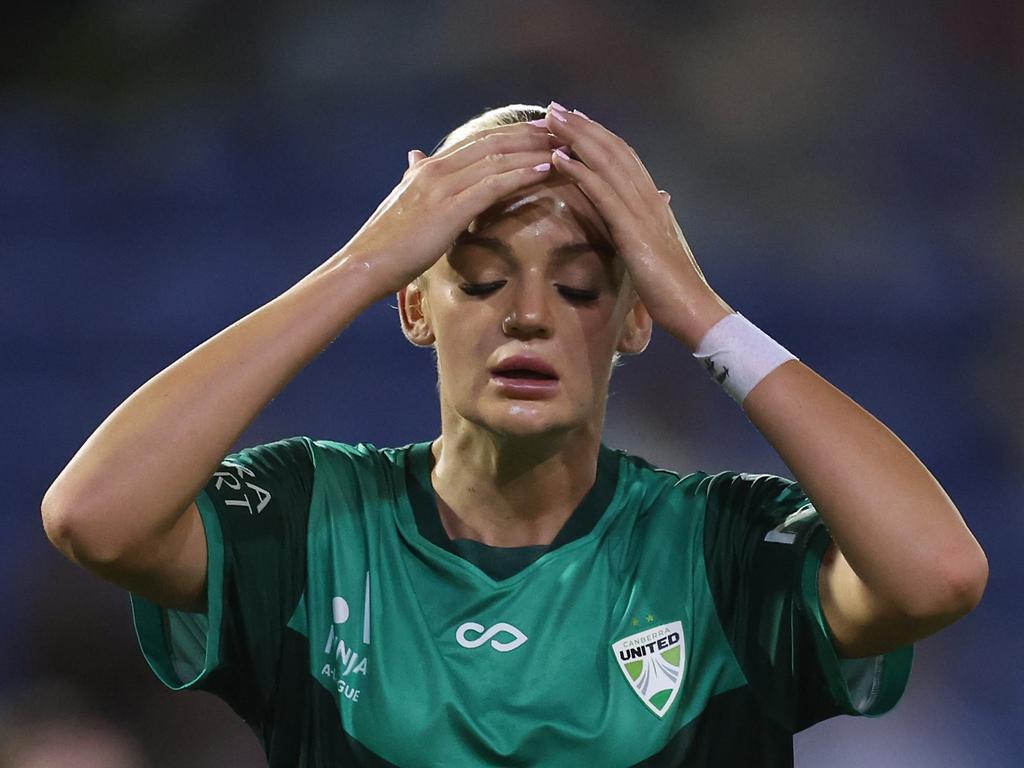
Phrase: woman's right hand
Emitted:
{"points": [[439, 196], [124, 507]]}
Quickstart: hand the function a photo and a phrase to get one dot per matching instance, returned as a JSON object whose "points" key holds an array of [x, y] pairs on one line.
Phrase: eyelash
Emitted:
{"points": [[481, 289], [575, 295], [578, 295]]}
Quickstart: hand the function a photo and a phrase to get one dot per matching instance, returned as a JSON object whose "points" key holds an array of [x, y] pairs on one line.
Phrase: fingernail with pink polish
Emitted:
{"points": [[562, 154], [577, 112], [542, 123], [557, 110]]}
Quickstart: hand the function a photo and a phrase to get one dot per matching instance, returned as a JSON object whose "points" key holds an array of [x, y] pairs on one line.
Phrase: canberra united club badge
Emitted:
{"points": [[652, 662]]}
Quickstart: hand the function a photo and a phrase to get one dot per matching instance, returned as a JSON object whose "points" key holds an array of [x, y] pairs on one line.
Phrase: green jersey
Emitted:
{"points": [[674, 621]]}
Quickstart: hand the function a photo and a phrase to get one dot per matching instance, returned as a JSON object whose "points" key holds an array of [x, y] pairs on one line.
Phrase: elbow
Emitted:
{"points": [[968, 581], [74, 528], [56, 521], [958, 585]]}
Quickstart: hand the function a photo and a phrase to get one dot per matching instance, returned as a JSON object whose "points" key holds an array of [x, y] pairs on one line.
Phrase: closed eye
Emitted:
{"points": [[575, 295], [481, 289], [578, 295]]}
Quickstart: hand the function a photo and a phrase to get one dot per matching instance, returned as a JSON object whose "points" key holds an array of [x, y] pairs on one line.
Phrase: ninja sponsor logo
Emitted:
{"points": [[347, 660]]}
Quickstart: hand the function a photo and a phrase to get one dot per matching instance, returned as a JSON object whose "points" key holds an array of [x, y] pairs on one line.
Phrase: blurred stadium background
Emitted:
{"points": [[850, 175]]}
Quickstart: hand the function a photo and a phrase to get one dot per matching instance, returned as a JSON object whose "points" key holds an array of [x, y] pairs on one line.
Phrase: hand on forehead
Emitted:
{"points": [[556, 196]]}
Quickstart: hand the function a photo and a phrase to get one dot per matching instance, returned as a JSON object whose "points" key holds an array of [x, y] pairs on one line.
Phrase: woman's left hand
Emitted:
{"points": [[644, 230]]}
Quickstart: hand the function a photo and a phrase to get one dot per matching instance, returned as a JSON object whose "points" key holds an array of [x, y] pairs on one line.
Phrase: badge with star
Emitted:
{"points": [[652, 661]]}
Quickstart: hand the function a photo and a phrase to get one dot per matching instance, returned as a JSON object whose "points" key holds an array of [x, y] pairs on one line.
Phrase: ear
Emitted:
{"points": [[636, 330], [411, 306]]}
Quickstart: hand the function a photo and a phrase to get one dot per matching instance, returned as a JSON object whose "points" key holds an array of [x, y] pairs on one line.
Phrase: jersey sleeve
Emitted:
{"points": [[254, 511], [763, 546]]}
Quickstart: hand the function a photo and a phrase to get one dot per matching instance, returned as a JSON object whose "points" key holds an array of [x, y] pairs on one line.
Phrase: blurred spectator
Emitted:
{"points": [[51, 725]]}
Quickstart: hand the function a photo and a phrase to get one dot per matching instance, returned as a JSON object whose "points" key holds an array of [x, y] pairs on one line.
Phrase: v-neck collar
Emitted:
{"points": [[503, 562]]}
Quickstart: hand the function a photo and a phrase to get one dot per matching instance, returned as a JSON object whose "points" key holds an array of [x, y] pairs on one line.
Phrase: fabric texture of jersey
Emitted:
{"points": [[675, 621]]}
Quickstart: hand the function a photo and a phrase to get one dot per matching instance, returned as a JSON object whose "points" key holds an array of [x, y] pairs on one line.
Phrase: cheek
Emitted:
{"points": [[601, 329], [461, 344], [602, 341]]}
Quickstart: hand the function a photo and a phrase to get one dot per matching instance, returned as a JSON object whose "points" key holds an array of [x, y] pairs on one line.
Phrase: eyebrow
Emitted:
{"points": [[501, 247]]}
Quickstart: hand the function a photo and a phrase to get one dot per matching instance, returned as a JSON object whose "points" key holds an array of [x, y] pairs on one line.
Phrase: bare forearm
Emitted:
{"points": [[147, 461], [904, 563], [892, 521]]}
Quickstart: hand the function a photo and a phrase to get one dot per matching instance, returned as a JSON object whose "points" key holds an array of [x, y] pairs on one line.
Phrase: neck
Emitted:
{"points": [[511, 492]]}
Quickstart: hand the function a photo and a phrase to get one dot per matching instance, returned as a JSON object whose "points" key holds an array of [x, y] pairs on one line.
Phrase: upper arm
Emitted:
{"points": [[170, 569], [229, 578], [257, 499], [861, 623], [773, 573]]}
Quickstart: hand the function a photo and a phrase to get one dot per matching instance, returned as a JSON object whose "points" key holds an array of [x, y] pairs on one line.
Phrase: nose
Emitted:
{"points": [[528, 313]]}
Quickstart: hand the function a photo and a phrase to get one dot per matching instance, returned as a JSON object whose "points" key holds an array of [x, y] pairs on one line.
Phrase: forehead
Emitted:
{"points": [[553, 205]]}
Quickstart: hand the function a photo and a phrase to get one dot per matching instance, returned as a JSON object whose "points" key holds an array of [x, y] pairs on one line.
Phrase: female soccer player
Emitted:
{"points": [[514, 592]]}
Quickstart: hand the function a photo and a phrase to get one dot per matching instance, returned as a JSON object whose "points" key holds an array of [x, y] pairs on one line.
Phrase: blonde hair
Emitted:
{"points": [[491, 118]]}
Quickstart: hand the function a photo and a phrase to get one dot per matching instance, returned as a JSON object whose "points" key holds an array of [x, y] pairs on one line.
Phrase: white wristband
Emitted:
{"points": [[738, 355]]}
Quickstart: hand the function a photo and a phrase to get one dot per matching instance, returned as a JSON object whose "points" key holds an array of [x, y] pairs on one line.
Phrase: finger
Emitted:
{"points": [[591, 131], [517, 132], [495, 165], [605, 198], [606, 153], [414, 156], [492, 188], [497, 147]]}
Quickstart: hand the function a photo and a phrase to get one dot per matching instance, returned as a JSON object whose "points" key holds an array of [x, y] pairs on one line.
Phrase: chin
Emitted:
{"points": [[528, 419]]}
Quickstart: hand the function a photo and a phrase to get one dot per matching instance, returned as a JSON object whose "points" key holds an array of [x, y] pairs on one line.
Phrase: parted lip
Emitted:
{"points": [[524, 363]]}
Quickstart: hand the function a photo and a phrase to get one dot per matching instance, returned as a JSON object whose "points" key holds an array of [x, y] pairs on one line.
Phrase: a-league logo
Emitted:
{"points": [[652, 662]]}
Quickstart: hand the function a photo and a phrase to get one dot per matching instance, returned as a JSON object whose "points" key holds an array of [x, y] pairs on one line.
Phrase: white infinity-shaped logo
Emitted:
{"points": [[518, 638]]}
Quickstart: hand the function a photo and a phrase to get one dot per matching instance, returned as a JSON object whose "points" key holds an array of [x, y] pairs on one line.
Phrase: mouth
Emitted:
{"points": [[525, 377], [523, 368], [524, 373]]}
